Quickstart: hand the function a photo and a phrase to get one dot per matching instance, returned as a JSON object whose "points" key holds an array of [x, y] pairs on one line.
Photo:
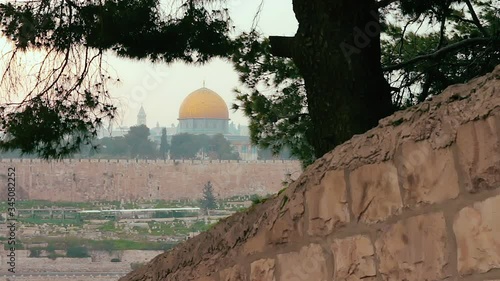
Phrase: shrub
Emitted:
{"points": [[35, 253], [77, 252]]}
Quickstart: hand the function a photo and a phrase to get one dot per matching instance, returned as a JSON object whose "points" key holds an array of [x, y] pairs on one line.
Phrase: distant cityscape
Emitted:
{"points": [[202, 112]]}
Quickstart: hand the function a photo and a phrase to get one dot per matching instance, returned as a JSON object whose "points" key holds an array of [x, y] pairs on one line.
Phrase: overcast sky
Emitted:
{"points": [[161, 88]]}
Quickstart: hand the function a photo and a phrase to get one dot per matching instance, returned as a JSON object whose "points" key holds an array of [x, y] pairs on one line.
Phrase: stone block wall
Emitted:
{"points": [[417, 198], [80, 180]]}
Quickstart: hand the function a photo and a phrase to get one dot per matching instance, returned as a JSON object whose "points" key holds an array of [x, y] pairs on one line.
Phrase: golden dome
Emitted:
{"points": [[203, 103]]}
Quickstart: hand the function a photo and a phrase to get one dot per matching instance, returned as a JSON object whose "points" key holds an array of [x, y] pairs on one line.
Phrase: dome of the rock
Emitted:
{"points": [[203, 104], [203, 112]]}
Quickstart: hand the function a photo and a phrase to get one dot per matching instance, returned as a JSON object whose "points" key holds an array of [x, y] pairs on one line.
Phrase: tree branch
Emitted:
{"points": [[475, 18], [401, 39], [442, 51], [442, 29], [461, 19], [281, 46]]}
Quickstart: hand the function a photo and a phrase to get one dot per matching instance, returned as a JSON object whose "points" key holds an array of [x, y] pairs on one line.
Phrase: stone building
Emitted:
{"points": [[203, 112], [141, 117]]}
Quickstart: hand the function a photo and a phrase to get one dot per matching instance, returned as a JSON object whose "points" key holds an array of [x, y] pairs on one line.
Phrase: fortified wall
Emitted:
{"points": [[80, 180], [416, 198]]}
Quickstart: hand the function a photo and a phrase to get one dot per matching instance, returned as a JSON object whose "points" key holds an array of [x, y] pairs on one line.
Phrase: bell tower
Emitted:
{"points": [[141, 117]]}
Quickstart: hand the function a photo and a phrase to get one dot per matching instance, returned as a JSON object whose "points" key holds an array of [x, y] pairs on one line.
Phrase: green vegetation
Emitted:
{"points": [[398, 122], [208, 201], [256, 199], [18, 246], [35, 253], [60, 222], [172, 204], [108, 226], [54, 256], [283, 202], [122, 244], [176, 228], [79, 247], [77, 252], [139, 237], [305, 104], [41, 204], [200, 226], [186, 146], [174, 214], [164, 146], [43, 216]]}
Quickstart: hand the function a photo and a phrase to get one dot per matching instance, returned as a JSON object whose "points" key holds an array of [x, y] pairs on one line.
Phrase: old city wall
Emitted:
{"points": [[416, 198], [79, 180]]}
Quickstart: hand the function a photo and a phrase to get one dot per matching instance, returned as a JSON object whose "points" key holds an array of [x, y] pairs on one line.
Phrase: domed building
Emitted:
{"points": [[203, 112]]}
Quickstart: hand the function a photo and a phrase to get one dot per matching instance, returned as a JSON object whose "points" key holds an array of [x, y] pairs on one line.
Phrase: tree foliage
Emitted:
{"points": [[208, 201], [164, 146], [67, 100], [220, 148], [273, 97], [418, 62], [54, 126], [116, 147], [462, 42], [138, 140], [186, 146], [425, 47], [189, 146], [77, 252]]}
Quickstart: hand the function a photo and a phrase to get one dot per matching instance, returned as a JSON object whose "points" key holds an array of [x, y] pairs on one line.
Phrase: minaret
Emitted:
{"points": [[141, 117]]}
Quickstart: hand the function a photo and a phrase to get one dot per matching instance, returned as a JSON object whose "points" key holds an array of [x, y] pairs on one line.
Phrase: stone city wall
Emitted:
{"points": [[417, 198], [80, 180]]}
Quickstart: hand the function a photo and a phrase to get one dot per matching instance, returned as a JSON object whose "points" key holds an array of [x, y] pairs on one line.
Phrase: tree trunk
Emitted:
{"points": [[337, 49]]}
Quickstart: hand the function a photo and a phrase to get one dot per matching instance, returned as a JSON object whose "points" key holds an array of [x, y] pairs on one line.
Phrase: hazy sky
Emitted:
{"points": [[161, 88]]}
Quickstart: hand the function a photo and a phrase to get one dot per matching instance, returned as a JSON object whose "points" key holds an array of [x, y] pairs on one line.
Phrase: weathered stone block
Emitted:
{"points": [[327, 204], [375, 192], [262, 270], [290, 224], [414, 249], [354, 259], [477, 229], [479, 153], [235, 273], [255, 244], [306, 265], [426, 175]]}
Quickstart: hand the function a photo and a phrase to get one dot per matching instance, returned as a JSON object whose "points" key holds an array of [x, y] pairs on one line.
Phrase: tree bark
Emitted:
{"points": [[337, 49]]}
